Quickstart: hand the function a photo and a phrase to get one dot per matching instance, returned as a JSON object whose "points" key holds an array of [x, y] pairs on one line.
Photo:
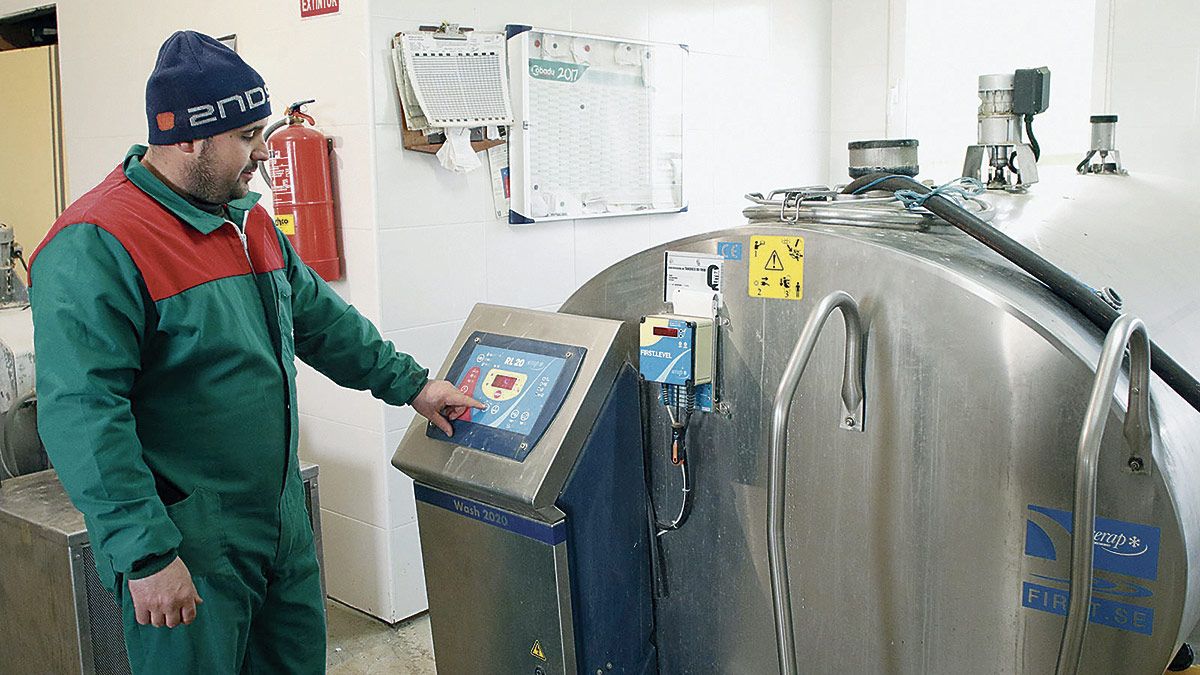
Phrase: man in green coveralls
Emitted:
{"points": [[168, 312]]}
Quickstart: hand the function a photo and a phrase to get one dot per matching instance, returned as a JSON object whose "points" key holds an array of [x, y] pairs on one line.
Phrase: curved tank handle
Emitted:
{"points": [[1126, 330], [852, 420]]}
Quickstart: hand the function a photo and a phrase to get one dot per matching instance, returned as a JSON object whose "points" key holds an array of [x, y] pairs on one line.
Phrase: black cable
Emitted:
{"points": [[659, 587], [658, 576], [679, 449], [1082, 168], [1012, 166], [674, 403], [1077, 294], [679, 459], [1037, 149]]}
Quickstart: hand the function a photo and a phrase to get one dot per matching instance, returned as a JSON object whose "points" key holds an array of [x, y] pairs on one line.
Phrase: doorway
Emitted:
{"points": [[33, 187]]}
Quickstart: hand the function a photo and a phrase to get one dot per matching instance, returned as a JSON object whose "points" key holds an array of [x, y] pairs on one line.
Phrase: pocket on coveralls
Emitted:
{"points": [[197, 517]]}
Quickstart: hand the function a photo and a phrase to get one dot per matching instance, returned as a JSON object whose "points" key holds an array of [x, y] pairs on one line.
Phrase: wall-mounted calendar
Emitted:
{"points": [[598, 126]]}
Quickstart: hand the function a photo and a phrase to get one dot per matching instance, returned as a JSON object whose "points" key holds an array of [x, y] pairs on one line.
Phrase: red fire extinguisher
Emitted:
{"points": [[298, 174]]}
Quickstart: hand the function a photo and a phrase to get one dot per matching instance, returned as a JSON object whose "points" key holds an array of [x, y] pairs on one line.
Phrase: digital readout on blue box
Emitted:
{"points": [[513, 384]]}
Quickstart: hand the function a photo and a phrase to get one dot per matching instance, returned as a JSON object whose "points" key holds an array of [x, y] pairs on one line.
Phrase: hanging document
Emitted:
{"points": [[452, 81]]}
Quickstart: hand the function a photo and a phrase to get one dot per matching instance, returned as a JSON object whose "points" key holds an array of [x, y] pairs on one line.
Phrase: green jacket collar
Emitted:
{"points": [[201, 220]]}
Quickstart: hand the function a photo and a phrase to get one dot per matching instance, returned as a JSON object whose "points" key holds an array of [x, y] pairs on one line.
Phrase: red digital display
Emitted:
{"points": [[504, 382], [667, 332]]}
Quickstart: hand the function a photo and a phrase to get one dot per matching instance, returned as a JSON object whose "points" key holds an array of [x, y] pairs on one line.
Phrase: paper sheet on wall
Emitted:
{"points": [[599, 129], [453, 82], [414, 118], [498, 161]]}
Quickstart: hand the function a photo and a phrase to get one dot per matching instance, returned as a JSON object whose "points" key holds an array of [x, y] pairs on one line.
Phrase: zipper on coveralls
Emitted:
{"points": [[241, 233]]}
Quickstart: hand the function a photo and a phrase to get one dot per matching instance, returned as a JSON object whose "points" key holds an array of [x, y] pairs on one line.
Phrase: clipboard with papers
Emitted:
{"points": [[451, 78]]}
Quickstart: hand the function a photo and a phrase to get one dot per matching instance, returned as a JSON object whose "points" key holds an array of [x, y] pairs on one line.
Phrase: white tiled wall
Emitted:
{"points": [[859, 77], [430, 274], [909, 69], [774, 90], [107, 51], [1148, 74], [358, 558], [756, 118], [422, 245], [948, 48]]}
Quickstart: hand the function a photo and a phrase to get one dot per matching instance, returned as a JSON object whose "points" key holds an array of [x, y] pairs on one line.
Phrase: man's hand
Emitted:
{"points": [[439, 400], [165, 598]]}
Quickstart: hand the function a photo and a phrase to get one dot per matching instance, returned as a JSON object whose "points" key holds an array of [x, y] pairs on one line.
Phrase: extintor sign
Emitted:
{"points": [[309, 8]]}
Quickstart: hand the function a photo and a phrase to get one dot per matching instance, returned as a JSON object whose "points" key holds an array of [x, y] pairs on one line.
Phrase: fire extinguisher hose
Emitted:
{"points": [[293, 110], [262, 166]]}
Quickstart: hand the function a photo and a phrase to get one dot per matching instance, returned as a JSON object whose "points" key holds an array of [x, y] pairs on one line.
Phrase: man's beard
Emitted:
{"points": [[205, 185]]}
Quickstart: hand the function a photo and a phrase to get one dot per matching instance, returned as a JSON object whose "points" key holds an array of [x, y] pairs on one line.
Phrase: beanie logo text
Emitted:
{"points": [[165, 120], [211, 112]]}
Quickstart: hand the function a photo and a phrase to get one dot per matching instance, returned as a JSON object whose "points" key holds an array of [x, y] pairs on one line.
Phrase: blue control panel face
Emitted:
{"points": [[522, 381], [665, 354], [515, 384]]}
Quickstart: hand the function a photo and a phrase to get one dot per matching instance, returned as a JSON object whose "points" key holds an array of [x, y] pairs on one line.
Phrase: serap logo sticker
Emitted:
{"points": [[1117, 543], [1119, 548], [1124, 548]]}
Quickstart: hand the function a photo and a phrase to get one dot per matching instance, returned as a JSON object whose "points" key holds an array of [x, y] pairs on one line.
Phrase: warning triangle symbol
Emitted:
{"points": [[774, 264], [537, 650]]}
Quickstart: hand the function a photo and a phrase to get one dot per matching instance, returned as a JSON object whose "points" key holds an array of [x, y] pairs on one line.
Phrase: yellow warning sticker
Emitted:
{"points": [[286, 223], [776, 267], [537, 650]]}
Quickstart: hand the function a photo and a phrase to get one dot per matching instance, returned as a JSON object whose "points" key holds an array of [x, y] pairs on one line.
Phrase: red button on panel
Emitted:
{"points": [[467, 386]]}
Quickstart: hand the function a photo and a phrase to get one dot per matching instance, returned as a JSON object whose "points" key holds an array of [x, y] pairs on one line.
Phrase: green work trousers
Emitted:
{"points": [[256, 571]]}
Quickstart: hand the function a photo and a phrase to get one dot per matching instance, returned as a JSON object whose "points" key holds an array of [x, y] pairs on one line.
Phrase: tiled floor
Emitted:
{"points": [[362, 645]]}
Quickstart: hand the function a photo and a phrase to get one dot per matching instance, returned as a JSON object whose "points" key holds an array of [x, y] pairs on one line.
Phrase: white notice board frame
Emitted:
{"points": [[630, 159]]}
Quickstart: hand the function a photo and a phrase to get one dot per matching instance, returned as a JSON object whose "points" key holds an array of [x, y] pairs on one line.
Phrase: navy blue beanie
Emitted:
{"points": [[200, 88]]}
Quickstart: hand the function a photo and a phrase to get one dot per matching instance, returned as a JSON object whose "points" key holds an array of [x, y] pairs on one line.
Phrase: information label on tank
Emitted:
{"points": [[776, 266], [692, 272], [730, 250], [1125, 569]]}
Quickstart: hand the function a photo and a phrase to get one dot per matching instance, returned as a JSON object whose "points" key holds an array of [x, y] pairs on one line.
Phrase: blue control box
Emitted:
{"points": [[675, 349]]}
